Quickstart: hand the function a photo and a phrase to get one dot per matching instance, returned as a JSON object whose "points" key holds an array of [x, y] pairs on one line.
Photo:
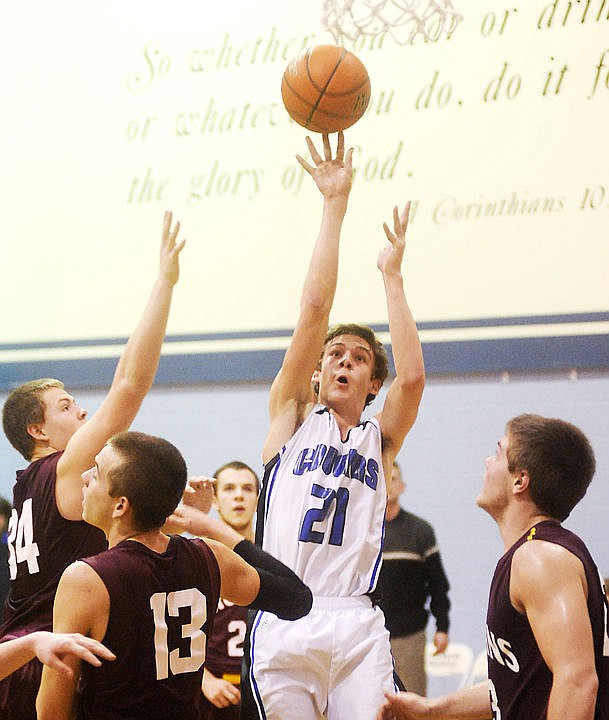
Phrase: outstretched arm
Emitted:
{"points": [[471, 703], [190, 516], [133, 378], [190, 519], [252, 577], [51, 649], [277, 588], [291, 390], [404, 395]]}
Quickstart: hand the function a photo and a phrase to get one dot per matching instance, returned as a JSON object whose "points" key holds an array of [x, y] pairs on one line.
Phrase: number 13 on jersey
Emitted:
{"points": [[165, 606]]}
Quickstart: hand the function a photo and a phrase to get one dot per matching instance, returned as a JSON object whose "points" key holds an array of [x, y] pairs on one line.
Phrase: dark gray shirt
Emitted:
{"points": [[412, 573]]}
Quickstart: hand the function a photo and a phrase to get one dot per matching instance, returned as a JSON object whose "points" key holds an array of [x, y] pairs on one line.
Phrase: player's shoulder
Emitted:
{"points": [[80, 576], [285, 425], [534, 561], [543, 571]]}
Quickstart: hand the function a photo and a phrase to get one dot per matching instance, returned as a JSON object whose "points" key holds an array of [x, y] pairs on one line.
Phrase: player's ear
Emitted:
{"points": [[36, 431], [375, 386], [120, 506], [315, 378], [521, 482]]}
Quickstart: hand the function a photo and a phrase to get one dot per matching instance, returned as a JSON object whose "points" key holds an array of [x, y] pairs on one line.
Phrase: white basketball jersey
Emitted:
{"points": [[323, 505]]}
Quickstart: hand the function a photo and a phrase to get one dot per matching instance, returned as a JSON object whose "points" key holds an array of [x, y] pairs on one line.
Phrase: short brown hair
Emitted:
{"points": [[381, 362], [152, 476], [23, 407], [237, 465], [558, 458]]}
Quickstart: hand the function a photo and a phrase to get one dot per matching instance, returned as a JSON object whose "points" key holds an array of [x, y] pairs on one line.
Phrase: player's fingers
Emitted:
{"points": [[386, 710], [227, 696], [405, 215], [390, 235], [174, 233], [233, 695], [167, 222], [397, 223], [327, 148], [94, 646], [340, 146], [313, 150], [309, 168], [349, 160], [87, 656], [57, 664], [200, 481]]}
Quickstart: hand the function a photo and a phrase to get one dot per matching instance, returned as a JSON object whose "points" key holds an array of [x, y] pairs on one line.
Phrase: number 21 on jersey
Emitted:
{"points": [[337, 499]]}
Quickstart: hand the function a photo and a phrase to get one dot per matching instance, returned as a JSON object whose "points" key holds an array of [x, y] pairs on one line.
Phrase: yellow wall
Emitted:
{"points": [[508, 116]]}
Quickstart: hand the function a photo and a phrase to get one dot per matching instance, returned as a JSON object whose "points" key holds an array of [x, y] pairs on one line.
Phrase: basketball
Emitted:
{"points": [[326, 88]]}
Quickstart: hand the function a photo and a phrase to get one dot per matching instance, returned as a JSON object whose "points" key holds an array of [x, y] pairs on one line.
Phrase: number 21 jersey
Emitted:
{"points": [[322, 506]]}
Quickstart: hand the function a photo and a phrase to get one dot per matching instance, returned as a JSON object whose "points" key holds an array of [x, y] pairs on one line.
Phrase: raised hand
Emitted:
{"points": [[199, 493], [170, 249], [390, 257], [333, 176], [186, 518]]}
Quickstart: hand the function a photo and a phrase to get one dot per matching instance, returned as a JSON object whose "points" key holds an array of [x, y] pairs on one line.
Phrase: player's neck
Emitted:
{"points": [[515, 526], [247, 534], [346, 418], [153, 539], [41, 451]]}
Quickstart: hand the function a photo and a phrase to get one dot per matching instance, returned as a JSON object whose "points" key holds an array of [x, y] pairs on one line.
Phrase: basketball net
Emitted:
{"points": [[402, 20]]}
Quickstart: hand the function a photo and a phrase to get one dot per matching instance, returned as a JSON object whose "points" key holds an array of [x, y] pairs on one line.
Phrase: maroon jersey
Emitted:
{"points": [[224, 656], [161, 609], [41, 545], [225, 645], [520, 680]]}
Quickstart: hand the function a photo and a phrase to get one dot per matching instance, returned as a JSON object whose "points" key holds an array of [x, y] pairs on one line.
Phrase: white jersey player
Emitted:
{"points": [[338, 490], [322, 505]]}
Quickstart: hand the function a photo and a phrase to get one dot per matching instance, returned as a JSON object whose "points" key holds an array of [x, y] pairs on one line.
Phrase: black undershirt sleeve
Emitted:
{"points": [[282, 592]]}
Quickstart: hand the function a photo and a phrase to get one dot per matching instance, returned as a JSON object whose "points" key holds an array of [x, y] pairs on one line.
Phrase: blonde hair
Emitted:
{"points": [[24, 407]]}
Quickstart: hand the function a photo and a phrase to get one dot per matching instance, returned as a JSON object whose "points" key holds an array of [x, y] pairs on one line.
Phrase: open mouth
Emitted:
{"points": [[342, 379]]}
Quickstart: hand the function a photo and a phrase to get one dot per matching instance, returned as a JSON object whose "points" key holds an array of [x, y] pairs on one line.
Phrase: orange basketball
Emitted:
{"points": [[326, 88]]}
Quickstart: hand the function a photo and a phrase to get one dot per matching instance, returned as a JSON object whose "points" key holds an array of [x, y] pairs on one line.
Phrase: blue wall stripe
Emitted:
{"points": [[459, 357]]}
